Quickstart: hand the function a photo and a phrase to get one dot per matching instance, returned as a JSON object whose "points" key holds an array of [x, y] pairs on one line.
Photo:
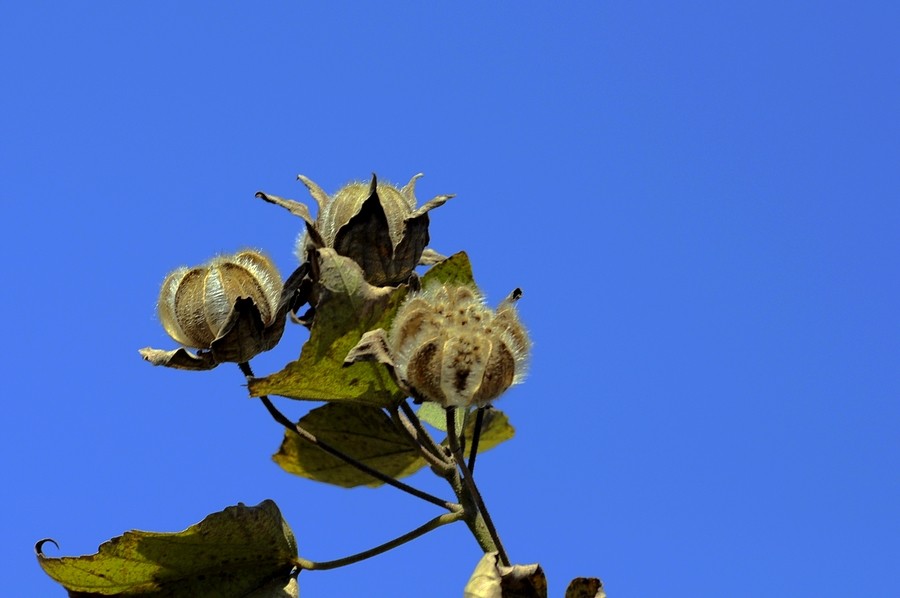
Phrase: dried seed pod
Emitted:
{"points": [[231, 306], [375, 224], [450, 348]]}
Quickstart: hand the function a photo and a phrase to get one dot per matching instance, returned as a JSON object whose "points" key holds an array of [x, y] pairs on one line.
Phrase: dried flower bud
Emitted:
{"points": [[231, 306], [450, 348], [375, 224]]}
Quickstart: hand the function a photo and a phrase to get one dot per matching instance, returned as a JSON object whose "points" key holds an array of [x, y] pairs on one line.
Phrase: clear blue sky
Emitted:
{"points": [[701, 201]]}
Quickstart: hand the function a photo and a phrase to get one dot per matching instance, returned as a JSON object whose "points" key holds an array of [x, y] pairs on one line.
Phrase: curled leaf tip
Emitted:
{"points": [[39, 546]]}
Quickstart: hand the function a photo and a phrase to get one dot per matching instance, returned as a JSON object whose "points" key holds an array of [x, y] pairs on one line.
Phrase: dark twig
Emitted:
{"points": [[476, 436], [311, 438], [435, 523], [415, 436], [422, 432]]}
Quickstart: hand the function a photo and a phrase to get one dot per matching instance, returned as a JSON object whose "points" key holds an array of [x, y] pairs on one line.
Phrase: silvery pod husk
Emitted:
{"points": [[231, 308]]}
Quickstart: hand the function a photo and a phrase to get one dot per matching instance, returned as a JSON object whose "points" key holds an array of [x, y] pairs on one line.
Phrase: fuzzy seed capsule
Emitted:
{"points": [[195, 303], [231, 307], [450, 348]]}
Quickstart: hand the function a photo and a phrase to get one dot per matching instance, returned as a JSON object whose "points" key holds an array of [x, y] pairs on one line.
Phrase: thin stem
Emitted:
{"points": [[429, 443], [470, 485], [311, 438], [473, 518], [476, 436], [435, 523], [440, 462]]}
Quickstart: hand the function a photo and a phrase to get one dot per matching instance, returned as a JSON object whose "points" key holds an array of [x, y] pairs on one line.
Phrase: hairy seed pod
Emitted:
{"points": [[377, 225], [195, 303], [450, 348], [231, 308]]}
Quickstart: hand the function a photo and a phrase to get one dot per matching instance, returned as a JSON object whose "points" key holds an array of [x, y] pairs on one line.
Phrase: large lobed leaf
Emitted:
{"points": [[240, 552], [349, 307], [367, 434]]}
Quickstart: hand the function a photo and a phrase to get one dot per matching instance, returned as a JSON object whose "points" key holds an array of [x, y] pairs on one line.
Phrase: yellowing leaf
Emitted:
{"points": [[368, 435], [456, 270], [365, 433], [347, 308], [236, 553]]}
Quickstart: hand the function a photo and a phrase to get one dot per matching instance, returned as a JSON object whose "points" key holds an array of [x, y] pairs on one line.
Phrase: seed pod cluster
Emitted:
{"points": [[450, 348], [230, 306]]}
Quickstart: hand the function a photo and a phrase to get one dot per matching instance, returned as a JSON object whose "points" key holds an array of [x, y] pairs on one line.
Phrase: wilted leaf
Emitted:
{"points": [[237, 552], [585, 587], [347, 308], [363, 432], [493, 580]]}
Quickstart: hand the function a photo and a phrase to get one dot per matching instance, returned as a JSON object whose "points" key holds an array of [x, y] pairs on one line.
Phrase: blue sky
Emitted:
{"points": [[700, 201]]}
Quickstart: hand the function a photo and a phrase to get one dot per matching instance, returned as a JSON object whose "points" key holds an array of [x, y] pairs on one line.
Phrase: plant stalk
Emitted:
{"points": [[429, 443], [476, 436], [471, 487], [415, 436], [311, 438], [435, 523]]}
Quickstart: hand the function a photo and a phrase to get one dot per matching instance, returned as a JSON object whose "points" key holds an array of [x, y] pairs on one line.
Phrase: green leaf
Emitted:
{"points": [[493, 580], [347, 308], [456, 270], [239, 552], [585, 587], [368, 435], [436, 416], [363, 432]]}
